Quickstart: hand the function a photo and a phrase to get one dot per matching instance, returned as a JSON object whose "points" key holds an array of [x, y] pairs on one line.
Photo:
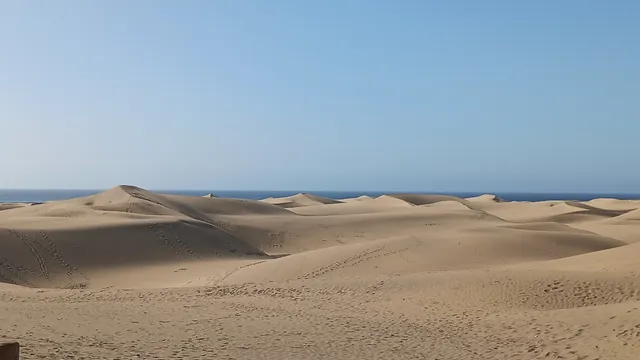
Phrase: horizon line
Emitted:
{"points": [[347, 191]]}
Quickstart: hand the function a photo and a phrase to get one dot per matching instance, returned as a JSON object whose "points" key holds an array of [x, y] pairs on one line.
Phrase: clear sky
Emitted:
{"points": [[321, 95]]}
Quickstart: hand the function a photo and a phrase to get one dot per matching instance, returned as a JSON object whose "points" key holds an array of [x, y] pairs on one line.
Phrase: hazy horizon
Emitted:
{"points": [[416, 191], [46, 195]]}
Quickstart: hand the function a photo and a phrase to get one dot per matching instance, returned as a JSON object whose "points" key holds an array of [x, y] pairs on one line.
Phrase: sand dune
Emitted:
{"points": [[471, 248], [486, 198], [382, 203], [633, 215], [573, 212], [359, 198], [615, 204], [130, 273], [421, 199], [69, 243], [10, 206], [302, 199]]}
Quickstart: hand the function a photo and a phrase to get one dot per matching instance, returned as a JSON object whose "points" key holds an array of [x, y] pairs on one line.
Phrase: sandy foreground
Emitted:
{"points": [[131, 274]]}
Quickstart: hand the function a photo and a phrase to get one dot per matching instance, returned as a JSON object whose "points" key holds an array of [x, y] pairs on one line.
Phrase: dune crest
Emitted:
{"points": [[486, 198], [301, 199], [359, 198], [423, 199], [9, 206], [633, 215]]}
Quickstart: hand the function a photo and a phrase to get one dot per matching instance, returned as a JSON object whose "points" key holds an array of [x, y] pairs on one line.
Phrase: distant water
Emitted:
{"points": [[51, 195]]}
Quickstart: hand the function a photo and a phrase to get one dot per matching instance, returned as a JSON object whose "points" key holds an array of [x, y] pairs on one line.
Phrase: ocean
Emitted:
{"points": [[52, 195]]}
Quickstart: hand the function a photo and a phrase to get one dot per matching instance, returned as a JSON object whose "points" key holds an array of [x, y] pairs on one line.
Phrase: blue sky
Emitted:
{"points": [[324, 95]]}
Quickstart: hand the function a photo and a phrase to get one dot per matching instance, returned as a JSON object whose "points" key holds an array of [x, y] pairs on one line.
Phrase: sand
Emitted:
{"points": [[132, 274], [9, 206]]}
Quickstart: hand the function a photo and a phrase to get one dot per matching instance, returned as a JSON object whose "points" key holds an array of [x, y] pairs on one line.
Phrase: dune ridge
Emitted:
{"points": [[398, 276], [421, 199], [486, 198], [9, 206], [301, 199]]}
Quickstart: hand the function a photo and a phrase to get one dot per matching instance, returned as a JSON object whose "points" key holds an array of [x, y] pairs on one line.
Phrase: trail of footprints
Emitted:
{"points": [[136, 194], [53, 251], [18, 274], [175, 244], [350, 261], [277, 238], [7, 280], [353, 261], [14, 272], [29, 243], [236, 270]]}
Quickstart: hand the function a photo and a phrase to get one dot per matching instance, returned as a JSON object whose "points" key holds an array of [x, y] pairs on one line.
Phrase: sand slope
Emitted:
{"points": [[10, 206], [128, 273]]}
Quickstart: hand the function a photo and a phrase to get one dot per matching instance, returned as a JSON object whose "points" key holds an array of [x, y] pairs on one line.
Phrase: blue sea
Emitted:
{"points": [[51, 195]]}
